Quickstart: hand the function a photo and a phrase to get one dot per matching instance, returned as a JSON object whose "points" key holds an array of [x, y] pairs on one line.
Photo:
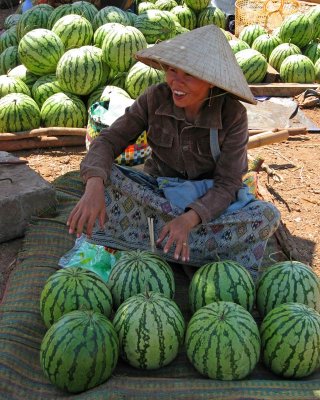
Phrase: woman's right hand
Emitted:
{"points": [[90, 208]]}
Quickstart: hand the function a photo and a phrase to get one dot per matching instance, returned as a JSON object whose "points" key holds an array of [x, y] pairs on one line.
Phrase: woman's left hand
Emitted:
{"points": [[178, 231]]}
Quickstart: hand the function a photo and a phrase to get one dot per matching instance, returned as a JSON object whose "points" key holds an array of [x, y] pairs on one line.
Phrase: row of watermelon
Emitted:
{"points": [[222, 339]]}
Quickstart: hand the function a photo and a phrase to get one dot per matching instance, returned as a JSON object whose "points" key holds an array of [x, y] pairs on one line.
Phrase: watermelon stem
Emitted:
{"points": [[276, 252]]}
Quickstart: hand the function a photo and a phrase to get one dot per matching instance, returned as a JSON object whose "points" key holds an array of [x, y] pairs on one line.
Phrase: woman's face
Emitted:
{"points": [[187, 91]]}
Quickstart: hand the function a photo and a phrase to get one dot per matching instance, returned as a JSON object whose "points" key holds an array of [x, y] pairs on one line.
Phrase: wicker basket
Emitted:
{"points": [[267, 13]]}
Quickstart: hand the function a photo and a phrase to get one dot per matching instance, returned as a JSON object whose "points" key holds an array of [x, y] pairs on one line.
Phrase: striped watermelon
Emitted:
{"points": [[317, 71], [80, 351], [9, 59], [110, 14], [84, 9], [137, 271], [165, 5], [65, 110], [186, 16], [296, 29], [253, 65], [251, 32], [197, 5], [8, 38], [11, 20], [222, 341], [180, 29], [297, 69], [155, 25], [212, 15], [73, 288], [313, 14], [312, 51], [34, 18], [144, 6], [150, 328], [287, 281], [18, 112], [100, 34], [44, 87], [221, 281], [238, 45], [120, 45], [132, 16], [119, 80], [74, 31], [21, 72], [80, 71], [265, 44], [12, 85], [227, 34], [40, 50], [140, 77], [290, 339], [281, 52]]}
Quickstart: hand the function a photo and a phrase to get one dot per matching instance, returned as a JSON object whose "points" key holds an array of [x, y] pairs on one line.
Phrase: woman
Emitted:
{"points": [[197, 130]]}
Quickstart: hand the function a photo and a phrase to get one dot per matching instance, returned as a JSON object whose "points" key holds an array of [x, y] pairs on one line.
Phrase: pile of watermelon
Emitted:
{"points": [[92, 322], [82, 53]]}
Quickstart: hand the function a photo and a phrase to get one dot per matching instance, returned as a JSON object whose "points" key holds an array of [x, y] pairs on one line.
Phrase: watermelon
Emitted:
{"points": [[297, 69], [313, 15], [265, 44], [197, 5], [281, 52], [253, 65], [9, 59], [312, 51], [119, 80], [120, 45], [59, 12], [227, 34], [222, 341], [180, 29], [290, 340], [110, 14], [65, 110], [296, 29], [137, 271], [165, 5], [317, 71], [238, 45], [140, 77], [212, 15], [11, 20], [100, 34], [251, 32], [150, 328], [221, 281], [186, 16], [80, 351], [132, 16], [80, 71], [73, 288], [74, 31], [40, 50], [18, 112], [44, 87], [21, 72], [12, 85], [34, 18], [83, 8], [8, 38], [144, 6], [155, 25], [287, 281]]}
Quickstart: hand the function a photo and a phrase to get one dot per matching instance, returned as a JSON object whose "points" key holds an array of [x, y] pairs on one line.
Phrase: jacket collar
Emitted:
{"points": [[209, 116]]}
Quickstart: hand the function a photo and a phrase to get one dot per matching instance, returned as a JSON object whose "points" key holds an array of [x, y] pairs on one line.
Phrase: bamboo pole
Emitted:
{"points": [[266, 138]]}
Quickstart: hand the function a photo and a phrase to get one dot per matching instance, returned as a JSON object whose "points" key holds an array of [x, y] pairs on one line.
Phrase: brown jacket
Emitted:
{"points": [[179, 148]]}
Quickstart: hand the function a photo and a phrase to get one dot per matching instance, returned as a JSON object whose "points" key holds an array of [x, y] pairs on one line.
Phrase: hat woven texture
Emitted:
{"points": [[204, 53]]}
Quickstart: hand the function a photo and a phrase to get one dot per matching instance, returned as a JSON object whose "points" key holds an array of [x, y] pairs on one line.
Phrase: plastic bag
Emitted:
{"points": [[96, 258]]}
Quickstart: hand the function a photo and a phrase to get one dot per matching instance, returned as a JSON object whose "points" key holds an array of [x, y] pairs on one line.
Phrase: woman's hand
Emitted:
{"points": [[178, 231], [90, 207]]}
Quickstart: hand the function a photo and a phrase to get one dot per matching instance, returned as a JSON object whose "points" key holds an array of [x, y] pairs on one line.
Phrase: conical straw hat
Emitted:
{"points": [[204, 53]]}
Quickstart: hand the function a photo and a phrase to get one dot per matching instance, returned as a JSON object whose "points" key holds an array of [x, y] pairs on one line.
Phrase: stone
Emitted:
{"points": [[23, 194]]}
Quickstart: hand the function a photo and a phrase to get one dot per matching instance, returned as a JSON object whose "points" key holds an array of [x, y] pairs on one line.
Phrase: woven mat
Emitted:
{"points": [[21, 332]]}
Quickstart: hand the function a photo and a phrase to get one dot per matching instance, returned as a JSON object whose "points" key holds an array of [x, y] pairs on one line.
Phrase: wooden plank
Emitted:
{"points": [[50, 131], [281, 89], [41, 142]]}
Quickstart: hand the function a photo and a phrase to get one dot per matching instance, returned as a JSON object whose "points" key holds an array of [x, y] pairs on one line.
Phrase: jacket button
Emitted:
{"points": [[185, 148]]}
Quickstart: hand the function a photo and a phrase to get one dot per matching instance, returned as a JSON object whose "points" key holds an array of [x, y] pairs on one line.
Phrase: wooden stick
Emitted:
{"points": [[51, 131], [292, 131], [265, 138], [44, 141]]}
